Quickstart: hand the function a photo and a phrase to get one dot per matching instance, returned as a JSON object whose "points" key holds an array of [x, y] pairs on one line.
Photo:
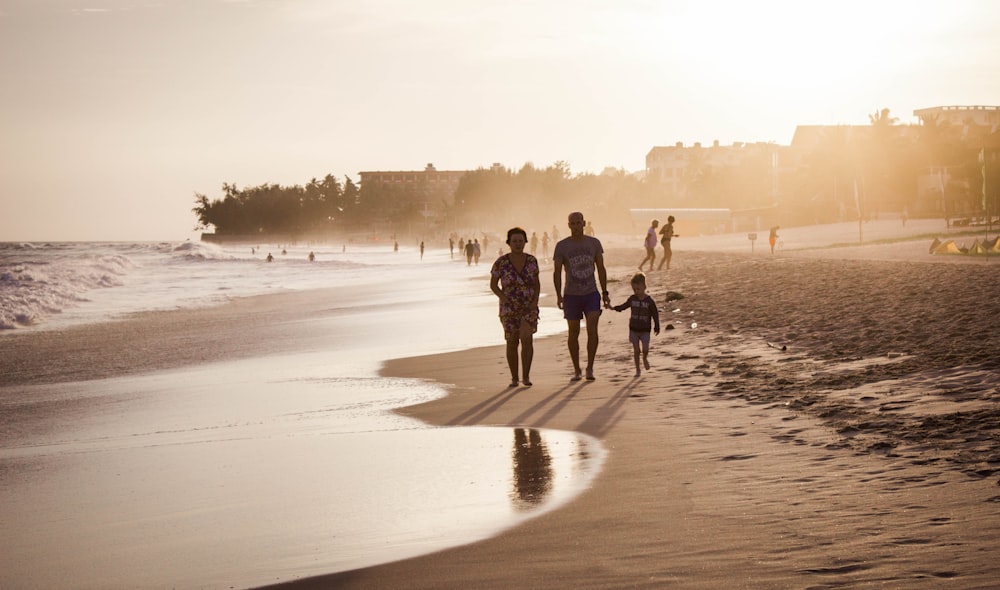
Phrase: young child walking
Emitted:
{"points": [[645, 316]]}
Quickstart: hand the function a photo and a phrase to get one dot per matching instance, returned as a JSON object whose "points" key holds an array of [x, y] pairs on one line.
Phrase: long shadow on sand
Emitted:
{"points": [[484, 408], [604, 417]]}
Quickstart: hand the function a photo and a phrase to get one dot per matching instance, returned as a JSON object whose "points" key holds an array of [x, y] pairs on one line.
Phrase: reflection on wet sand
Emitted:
{"points": [[532, 469]]}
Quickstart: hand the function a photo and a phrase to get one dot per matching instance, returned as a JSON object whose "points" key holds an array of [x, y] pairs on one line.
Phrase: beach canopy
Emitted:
{"points": [[948, 247], [934, 245], [992, 245], [977, 248]]}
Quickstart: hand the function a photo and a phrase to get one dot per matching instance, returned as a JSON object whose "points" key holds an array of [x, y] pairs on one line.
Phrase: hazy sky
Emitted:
{"points": [[113, 113]]}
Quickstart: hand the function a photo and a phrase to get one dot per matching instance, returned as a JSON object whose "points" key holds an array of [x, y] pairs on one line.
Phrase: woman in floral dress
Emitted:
{"points": [[514, 279]]}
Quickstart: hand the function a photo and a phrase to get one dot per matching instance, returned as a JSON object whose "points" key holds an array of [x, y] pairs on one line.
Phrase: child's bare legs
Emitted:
{"points": [[635, 353], [645, 356]]}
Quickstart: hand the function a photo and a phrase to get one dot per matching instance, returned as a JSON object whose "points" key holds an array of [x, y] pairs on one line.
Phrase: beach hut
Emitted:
{"points": [[948, 247]]}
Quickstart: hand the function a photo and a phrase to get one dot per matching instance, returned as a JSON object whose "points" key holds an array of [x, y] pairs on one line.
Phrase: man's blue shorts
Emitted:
{"points": [[575, 306]]}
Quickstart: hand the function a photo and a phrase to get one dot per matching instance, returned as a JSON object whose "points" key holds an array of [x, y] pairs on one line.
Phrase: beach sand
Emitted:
{"points": [[831, 422]]}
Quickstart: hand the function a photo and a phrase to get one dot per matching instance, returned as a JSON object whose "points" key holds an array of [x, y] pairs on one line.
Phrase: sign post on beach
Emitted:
{"points": [[984, 161], [752, 237]]}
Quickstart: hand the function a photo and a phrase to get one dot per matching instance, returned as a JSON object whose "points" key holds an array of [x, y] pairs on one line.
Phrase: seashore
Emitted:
{"points": [[818, 419], [831, 421]]}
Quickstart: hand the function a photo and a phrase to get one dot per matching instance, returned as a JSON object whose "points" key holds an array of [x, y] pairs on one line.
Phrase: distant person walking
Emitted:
{"points": [[477, 251], [534, 243], [649, 243], [514, 278], [580, 255], [421, 249], [773, 237], [545, 245], [645, 317], [470, 251], [589, 229], [666, 234]]}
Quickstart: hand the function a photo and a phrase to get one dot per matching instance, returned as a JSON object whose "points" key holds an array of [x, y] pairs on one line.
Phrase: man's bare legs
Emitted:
{"points": [[573, 343], [593, 321]]}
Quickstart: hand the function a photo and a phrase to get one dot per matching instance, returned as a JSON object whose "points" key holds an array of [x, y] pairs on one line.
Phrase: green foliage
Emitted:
{"points": [[884, 159], [271, 209]]}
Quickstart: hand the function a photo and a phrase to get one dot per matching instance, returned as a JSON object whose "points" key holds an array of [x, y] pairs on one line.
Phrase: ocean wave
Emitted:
{"points": [[200, 251], [32, 290]]}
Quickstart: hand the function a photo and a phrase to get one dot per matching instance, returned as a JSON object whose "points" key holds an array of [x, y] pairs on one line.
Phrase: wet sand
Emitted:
{"points": [[831, 422]]}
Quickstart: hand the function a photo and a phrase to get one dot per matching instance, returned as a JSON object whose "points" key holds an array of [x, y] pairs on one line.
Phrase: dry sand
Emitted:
{"points": [[832, 422]]}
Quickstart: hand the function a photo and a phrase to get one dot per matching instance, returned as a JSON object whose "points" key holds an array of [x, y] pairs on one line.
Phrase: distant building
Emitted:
{"points": [[428, 187], [970, 118], [978, 127], [674, 168]]}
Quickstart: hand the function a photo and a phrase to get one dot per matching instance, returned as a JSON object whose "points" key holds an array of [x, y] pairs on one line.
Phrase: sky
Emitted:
{"points": [[115, 113]]}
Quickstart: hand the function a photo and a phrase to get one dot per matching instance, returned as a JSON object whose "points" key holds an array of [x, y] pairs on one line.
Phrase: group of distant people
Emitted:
{"points": [[666, 234], [579, 258], [270, 258], [471, 249]]}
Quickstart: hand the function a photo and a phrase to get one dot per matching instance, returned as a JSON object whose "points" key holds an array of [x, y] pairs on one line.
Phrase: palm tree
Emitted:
{"points": [[938, 144], [878, 161]]}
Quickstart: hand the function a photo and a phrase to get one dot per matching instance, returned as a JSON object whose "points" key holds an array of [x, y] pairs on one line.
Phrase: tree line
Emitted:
{"points": [[881, 162]]}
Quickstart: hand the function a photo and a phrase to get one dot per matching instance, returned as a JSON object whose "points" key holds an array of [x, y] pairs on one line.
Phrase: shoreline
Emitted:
{"points": [[832, 420], [862, 453]]}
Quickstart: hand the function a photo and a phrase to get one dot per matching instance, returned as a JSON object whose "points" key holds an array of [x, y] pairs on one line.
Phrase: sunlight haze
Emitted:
{"points": [[116, 112]]}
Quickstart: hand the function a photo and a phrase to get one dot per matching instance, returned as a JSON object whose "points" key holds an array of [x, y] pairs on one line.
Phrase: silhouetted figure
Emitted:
{"points": [[645, 317], [581, 256], [667, 234], [649, 243], [470, 251], [514, 279]]}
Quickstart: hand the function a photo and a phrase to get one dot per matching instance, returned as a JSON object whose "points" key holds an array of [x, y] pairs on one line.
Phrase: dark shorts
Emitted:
{"points": [[638, 337], [575, 306]]}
